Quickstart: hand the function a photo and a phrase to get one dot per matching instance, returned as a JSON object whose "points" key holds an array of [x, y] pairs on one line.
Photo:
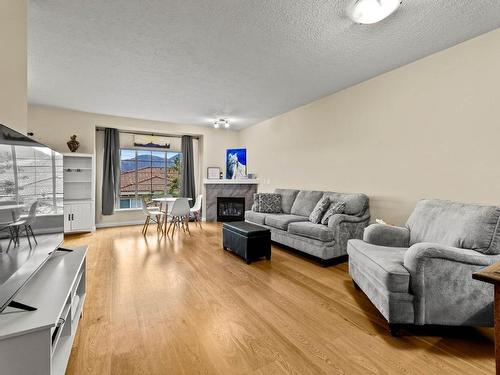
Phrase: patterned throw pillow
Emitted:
{"points": [[270, 203], [336, 207], [319, 210], [255, 205]]}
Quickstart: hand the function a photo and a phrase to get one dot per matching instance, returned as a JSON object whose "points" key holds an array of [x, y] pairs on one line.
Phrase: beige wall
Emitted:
{"points": [[13, 64], [428, 129], [54, 126]]}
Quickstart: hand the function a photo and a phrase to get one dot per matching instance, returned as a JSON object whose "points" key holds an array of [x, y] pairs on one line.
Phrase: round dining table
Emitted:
{"points": [[166, 201]]}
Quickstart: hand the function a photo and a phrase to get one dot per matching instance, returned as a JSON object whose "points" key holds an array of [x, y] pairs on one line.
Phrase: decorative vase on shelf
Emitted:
{"points": [[73, 144]]}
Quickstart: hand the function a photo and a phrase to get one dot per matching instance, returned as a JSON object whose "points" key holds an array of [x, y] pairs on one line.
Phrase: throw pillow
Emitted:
{"points": [[270, 203], [336, 207], [255, 205], [319, 210]]}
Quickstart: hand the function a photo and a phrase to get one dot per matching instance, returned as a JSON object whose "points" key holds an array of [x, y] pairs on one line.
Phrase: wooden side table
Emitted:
{"points": [[491, 274]]}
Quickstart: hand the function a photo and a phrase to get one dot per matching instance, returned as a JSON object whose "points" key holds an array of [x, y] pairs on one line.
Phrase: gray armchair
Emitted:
{"points": [[422, 273]]}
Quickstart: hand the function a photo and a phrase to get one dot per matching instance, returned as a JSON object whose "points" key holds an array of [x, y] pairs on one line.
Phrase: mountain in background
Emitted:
{"points": [[144, 161]]}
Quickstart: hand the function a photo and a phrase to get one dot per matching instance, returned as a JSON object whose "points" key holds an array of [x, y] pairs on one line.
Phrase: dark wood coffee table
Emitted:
{"points": [[249, 241]]}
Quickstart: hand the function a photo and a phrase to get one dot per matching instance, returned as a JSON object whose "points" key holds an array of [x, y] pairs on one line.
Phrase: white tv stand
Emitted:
{"points": [[39, 342]]}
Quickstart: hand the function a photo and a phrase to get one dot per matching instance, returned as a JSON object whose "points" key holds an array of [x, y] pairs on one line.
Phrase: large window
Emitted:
{"points": [[29, 174], [148, 174]]}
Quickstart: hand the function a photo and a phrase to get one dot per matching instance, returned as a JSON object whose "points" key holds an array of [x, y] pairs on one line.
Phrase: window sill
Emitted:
{"points": [[127, 209]]}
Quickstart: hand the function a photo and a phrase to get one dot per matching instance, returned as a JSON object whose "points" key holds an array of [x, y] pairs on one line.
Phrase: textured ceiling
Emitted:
{"points": [[188, 61]]}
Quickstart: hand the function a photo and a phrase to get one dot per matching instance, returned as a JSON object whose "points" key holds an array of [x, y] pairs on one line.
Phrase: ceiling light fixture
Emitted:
{"points": [[372, 11], [222, 122]]}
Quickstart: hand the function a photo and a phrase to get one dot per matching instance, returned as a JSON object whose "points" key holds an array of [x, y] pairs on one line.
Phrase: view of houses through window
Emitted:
{"points": [[148, 174]]}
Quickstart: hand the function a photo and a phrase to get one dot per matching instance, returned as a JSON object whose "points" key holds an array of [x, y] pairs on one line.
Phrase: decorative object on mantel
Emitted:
{"points": [[152, 141], [236, 163], [73, 144], [213, 173]]}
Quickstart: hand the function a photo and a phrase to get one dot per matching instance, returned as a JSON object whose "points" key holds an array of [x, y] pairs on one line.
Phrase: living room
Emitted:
{"points": [[346, 150]]}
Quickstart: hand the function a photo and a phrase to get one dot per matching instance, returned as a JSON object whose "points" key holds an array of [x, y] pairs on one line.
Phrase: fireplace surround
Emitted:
{"points": [[215, 189]]}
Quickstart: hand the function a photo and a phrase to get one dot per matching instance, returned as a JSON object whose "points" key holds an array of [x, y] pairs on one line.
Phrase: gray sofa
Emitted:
{"points": [[293, 228], [422, 273]]}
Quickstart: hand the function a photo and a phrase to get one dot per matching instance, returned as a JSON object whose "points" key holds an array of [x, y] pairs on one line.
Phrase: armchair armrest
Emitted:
{"points": [[387, 235], [443, 288], [420, 252]]}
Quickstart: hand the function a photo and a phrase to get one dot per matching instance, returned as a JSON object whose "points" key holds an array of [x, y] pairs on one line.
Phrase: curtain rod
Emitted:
{"points": [[100, 129]]}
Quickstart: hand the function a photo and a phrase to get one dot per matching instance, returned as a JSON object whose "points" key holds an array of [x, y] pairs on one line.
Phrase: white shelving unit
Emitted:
{"points": [[79, 192], [39, 342]]}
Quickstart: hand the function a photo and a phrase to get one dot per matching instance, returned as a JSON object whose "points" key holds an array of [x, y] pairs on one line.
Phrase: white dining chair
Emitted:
{"points": [[153, 214], [7, 217], [179, 215], [25, 222], [196, 210]]}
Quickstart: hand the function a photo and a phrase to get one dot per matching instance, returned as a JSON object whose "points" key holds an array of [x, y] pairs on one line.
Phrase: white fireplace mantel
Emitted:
{"points": [[231, 182]]}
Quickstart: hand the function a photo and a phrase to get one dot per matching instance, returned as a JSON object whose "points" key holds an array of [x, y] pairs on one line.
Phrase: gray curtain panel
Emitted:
{"points": [[111, 170], [188, 189]]}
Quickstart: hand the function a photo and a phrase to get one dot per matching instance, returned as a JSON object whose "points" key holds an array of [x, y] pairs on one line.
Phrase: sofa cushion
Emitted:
{"points": [[334, 209], [269, 203], [467, 226], [281, 221], [319, 210], [255, 205], [255, 217], [315, 231], [355, 204], [287, 198], [382, 264], [305, 202]]}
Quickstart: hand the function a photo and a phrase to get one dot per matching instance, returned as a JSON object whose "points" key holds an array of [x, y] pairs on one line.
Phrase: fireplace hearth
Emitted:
{"points": [[230, 209]]}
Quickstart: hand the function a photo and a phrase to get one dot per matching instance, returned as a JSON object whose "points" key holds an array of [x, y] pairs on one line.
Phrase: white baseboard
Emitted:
{"points": [[125, 223], [119, 224]]}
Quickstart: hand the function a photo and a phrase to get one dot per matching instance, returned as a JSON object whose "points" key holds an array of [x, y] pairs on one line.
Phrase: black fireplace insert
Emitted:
{"points": [[230, 209]]}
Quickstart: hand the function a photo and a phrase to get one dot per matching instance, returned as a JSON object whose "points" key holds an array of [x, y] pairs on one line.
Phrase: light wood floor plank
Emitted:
{"points": [[182, 305]]}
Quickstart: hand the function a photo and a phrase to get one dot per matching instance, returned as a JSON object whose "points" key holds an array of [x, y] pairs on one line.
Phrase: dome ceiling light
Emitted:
{"points": [[368, 12], [222, 123]]}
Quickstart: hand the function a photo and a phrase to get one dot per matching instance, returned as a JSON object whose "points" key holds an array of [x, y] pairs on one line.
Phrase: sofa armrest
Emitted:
{"points": [[387, 235], [443, 288], [335, 220], [346, 227]]}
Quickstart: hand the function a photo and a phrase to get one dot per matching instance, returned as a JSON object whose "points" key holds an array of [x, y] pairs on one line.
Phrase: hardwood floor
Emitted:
{"points": [[182, 305]]}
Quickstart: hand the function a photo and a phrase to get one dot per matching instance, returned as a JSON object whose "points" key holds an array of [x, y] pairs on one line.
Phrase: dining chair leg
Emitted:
{"points": [[16, 231], [172, 225], [158, 223], [147, 225], [32, 234], [12, 239], [187, 224], [27, 235]]}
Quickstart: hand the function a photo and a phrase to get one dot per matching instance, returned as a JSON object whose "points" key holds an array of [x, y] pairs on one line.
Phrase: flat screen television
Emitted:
{"points": [[31, 210]]}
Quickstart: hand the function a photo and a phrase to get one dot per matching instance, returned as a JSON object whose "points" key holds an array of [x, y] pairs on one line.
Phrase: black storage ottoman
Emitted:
{"points": [[249, 241]]}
